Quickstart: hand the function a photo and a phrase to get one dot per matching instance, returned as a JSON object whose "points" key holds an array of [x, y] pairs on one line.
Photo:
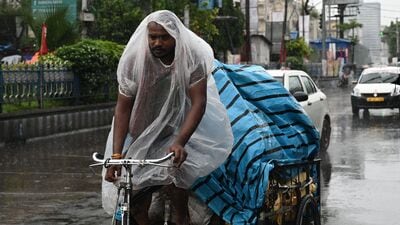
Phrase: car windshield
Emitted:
{"points": [[379, 77]]}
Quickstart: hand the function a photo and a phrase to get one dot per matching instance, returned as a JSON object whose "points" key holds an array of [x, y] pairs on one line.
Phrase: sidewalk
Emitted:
{"points": [[20, 127]]}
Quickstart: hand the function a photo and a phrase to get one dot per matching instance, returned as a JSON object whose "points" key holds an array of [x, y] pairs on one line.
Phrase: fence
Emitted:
{"points": [[37, 83]]}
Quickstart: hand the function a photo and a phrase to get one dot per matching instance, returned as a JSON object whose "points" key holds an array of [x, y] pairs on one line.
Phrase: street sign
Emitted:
{"points": [[43, 6]]}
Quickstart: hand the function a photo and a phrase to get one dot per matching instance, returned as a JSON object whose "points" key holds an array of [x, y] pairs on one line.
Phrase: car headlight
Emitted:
{"points": [[356, 92]]}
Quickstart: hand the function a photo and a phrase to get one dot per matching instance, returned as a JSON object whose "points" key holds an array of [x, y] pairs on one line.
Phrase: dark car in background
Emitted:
{"points": [[6, 49]]}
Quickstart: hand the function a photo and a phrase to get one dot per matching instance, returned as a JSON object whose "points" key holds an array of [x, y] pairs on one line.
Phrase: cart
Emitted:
{"points": [[293, 195]]}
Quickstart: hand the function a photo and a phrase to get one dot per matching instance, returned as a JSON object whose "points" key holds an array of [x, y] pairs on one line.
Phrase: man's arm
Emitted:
{"points": [[121, 121], [121, 124], [198, 98]]}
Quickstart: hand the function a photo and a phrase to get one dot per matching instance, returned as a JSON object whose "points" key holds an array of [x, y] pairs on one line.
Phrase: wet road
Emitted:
{"points": [[365, 158], [48, 182]]}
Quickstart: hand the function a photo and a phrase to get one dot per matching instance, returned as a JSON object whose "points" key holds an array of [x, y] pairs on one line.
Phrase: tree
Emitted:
{"points": [[230, 25], [115, 20], [389, 36], [351, 25], [201, 21], [60, 31], [297, 50]]}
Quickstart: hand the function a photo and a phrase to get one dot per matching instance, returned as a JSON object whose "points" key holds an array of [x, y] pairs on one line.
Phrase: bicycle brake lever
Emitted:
{"points": [[96, 164]]}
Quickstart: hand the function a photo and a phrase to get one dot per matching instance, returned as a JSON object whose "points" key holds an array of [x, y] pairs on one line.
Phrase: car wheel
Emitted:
{"points": [[325, 135], [355, 109]]}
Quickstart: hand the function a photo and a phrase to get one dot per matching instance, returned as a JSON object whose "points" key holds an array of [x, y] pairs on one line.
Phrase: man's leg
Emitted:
{"points": [[179, 200], [141, 209]]}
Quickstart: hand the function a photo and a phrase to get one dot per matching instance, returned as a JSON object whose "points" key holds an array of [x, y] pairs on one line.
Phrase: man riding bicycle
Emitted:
{"points": [[167, 102]]}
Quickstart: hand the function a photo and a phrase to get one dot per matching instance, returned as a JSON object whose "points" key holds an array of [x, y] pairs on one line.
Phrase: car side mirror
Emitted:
{"points": [[300, 96], [354, 82]]}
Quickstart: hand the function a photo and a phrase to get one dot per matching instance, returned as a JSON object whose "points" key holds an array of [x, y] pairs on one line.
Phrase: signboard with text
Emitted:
{"points": [[43, 6], [340, 2]]}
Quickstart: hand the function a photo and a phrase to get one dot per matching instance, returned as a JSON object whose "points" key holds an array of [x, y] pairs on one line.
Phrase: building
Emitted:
{"points": [[266, 27], [370, 17], [261, 46]]}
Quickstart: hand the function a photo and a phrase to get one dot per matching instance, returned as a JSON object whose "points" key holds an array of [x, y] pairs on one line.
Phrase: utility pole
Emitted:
{"points": [[323, 39], [397, 39], [282, 58], [342, 8], [304, 14], [248, 38]]}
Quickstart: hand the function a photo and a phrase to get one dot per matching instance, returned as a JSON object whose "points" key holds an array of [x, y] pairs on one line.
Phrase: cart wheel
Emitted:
{"points": [[308, 213], [325, 135]]}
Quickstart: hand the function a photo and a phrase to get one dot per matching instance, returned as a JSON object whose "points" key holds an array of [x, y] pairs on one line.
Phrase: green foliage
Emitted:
{"points": [[298, 48], [176, 6], [295, 63], [116, 20], [202, 23], [389, 36], [351, 25], [296, 51], [32, 105], [230, 28], [59, 30], [94, 61], [52, 59]]}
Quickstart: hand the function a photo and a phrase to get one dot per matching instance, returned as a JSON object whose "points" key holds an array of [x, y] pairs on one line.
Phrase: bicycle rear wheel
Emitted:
{"points": [[308, 213]]}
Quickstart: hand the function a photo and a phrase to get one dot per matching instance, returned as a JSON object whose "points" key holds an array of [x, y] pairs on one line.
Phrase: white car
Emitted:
{"points": [[313, 100], [377, 88]]}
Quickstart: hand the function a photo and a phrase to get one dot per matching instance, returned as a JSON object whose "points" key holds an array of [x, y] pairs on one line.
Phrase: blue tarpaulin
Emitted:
{"points": [[268, 125], [340, 43]]}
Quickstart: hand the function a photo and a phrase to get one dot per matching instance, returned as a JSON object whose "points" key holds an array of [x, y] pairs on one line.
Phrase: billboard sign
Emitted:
{"points": [[43, 6], [341, 2]]}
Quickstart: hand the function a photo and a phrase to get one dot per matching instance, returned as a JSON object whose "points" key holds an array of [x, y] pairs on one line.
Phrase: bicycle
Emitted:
{"points": [[122, 207]]}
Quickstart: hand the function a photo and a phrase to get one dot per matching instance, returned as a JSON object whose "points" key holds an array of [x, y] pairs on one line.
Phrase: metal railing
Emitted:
{"points": [[37, 83]]}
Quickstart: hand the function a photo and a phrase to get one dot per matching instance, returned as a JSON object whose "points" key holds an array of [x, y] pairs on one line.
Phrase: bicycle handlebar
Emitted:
{"points": [[99, 158]]}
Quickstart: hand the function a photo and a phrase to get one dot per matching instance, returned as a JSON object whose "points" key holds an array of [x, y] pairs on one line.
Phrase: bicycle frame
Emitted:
{"points": [[126, 184]]}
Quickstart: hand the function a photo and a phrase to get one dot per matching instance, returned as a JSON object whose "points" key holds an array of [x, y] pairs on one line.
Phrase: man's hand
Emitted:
{"points": [[112, 173], [180, 154]]}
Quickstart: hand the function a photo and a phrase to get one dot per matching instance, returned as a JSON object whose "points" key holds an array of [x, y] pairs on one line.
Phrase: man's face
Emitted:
{"points": [[161, 43]]}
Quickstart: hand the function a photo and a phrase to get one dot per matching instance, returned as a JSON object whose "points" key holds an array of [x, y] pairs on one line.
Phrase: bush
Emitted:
{"points": [[295, 63], [94, 61], [51, 59]]}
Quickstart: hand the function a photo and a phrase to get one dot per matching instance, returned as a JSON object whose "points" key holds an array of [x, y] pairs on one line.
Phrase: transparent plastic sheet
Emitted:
{"points": [[208, 148], [138, 72]]}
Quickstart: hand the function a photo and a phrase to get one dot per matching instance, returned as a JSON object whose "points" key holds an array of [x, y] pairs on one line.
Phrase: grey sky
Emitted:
{"points": [[390, 9]]}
